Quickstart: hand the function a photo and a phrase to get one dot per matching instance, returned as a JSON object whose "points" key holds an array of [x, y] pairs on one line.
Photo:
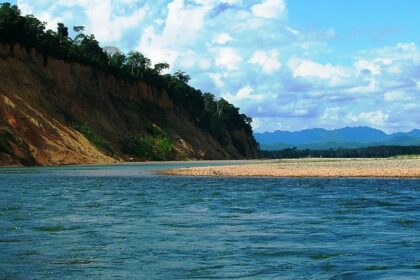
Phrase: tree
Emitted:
{"points": [[133, 60], [137, 62], [79, 31], [246, 119], [182, 76], [33, 31], [92, 52], [79, 28], [11, 26], [117, 60], [159, 67], [221, 105], [62, 31]]}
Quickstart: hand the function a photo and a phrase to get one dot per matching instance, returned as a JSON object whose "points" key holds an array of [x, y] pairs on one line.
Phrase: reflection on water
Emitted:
{"points": [[124, 222]]}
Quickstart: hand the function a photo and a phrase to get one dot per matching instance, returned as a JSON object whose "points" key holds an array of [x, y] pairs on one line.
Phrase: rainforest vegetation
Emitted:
{"points": [[211, 114]]}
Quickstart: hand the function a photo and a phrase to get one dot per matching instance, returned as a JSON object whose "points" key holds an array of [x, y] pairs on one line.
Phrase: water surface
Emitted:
{"points": [[124, 222]]}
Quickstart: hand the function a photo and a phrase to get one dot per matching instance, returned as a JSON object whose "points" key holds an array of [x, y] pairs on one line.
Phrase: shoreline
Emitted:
{"points": [[133, 163], [310, 168]]}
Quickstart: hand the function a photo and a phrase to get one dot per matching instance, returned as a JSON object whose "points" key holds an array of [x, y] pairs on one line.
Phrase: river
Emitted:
{"points": [[125, 222]]}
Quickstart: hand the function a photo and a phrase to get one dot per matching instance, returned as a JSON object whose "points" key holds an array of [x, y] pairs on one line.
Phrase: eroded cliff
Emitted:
{"points": [[44, 101]]}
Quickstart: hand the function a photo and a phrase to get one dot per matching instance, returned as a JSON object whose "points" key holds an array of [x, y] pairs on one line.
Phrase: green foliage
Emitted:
{"points": [[137, 63], [182, 76], [152, 147], [213, 116], [95, 139], [412, 156], [78, 29], [156, 146], [62, 32], [117, 60], [366, 152], [159, 67]]}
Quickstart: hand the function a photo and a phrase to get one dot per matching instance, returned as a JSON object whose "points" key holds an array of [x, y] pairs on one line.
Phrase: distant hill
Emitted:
{"points": [[348, 137]]}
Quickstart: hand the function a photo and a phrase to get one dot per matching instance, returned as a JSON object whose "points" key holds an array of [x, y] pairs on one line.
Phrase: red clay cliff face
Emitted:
{"points": [[41, 99]]}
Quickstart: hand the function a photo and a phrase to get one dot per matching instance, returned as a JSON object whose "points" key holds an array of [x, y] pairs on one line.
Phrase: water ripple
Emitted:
{"points": [[124, 222]]}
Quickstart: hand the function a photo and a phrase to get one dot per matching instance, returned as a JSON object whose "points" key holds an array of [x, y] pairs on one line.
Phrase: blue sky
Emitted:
{"points": [[289, 64]]}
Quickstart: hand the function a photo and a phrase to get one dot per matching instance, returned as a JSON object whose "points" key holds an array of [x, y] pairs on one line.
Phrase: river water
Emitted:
{"points": [[124, 222]]}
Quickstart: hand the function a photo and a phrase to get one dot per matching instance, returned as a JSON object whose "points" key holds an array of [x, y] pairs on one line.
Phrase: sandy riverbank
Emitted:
{"points": [[389, 168]]}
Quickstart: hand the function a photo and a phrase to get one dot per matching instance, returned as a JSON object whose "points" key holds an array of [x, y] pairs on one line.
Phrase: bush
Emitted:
{"points": [[155, 147]]}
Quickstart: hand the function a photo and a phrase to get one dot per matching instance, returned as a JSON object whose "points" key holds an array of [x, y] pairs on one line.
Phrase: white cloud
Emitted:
{"points": [[307, 68], [396, 96], [228, 57], [390, 54], [371, 87], [182, 27], [218, 78], [182, 24], [291, 30], [269, 8], [268, 60], [331, 114], [100, 17], [25, 7], [191, 60], [222, 38], [377, 118], [46, 15], [244, 93], [362, 65]]}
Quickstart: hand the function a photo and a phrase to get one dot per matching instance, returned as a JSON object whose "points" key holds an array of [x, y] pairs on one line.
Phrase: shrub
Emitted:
{"points": [[155, 147]]}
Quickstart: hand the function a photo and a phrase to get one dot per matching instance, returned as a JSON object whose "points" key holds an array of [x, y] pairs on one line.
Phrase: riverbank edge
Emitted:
{"points": [[180, 162]]}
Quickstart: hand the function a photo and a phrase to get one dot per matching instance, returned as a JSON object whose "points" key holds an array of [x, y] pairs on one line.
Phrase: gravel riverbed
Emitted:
{"points": [[387, 168]]}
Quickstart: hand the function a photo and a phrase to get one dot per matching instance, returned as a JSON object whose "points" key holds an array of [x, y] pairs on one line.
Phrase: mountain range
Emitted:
{"points": [[347, 137]]}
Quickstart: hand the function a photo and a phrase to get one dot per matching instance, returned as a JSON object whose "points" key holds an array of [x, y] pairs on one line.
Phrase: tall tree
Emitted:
{"points": [[11, 24], [159, 67], [138, 62], [79, 33], [78, 28], [117, 60], [92, 52], [182, 76], [62, 31]]}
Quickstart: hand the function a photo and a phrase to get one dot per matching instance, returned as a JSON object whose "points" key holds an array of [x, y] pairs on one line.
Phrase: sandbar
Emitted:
{"points": [[311, 167]]}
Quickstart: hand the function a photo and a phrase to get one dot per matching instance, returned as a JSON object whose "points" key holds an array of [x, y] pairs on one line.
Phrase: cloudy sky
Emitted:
{"points": [[289, 64]]}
